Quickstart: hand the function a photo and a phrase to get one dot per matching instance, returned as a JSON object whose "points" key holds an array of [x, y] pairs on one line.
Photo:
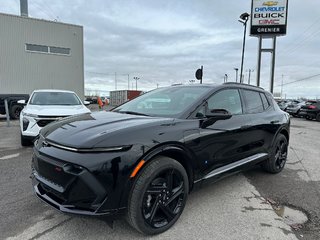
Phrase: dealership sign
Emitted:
{"points": [[269, 18]]}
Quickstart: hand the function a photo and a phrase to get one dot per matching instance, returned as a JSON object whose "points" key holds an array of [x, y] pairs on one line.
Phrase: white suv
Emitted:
{"points": [[46, 106]]}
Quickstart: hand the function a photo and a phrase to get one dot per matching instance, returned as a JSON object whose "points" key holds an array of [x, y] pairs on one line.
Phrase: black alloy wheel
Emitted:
{"points": [[159, 196], [278, 155]]}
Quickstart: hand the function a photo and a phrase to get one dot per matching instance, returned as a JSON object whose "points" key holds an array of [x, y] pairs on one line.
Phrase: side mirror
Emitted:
{"points": [[22, 102], [215, 115], [86, 103]]}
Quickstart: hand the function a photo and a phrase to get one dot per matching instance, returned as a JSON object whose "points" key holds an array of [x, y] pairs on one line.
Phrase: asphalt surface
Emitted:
{"points": [[238, 207]]}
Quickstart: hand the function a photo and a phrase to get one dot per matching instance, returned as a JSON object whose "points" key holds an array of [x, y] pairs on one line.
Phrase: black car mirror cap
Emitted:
{"points": [[214, 115]]}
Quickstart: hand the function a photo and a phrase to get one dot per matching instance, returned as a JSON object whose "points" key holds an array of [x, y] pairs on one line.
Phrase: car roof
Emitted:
{"points": [[229, 84]]}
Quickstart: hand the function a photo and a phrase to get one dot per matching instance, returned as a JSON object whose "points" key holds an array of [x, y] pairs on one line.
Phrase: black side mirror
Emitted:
{"points": [[215, 115]]}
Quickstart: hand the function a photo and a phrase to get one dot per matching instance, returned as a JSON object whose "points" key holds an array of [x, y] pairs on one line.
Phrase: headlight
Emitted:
{"points": [[29, 115], [102, 149]]}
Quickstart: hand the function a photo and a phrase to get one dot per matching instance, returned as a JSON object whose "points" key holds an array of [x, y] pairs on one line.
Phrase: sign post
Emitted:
{"points": [[268, 20]]}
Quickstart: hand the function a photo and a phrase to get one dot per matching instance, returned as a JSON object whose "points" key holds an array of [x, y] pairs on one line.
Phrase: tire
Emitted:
{"points": [[24, 141], [158, 196], [14, 111], [278, 155], [308, 118], [318, 117]]}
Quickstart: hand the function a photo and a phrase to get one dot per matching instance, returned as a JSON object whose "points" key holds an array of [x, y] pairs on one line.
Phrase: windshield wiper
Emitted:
{"points": [[133, 113]]}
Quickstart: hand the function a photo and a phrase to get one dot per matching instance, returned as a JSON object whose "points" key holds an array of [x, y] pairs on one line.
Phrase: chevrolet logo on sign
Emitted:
{"points": [[270, 3]]}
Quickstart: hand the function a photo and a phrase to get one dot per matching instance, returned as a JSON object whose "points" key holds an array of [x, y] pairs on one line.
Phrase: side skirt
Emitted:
{"points": [[233, 165]]}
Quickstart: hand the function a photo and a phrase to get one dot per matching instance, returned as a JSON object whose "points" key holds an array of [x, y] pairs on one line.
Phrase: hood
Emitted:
{"points": [[55, 110], [100, 129]]}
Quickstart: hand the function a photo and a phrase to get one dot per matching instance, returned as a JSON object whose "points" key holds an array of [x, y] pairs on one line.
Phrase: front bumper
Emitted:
{"points": [[82, 183]]}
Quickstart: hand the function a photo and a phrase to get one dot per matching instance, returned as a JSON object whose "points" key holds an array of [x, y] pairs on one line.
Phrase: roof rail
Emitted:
{"points": [[244, 84]]}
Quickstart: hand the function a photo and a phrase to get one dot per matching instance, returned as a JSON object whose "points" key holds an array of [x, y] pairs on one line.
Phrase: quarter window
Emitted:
{"points": [[253, 101], [264, 101], [228, 99]]}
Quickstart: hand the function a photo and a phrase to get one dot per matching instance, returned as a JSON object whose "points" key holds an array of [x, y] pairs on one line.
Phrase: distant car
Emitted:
{"points": [[294, 108], [311, 110], [44, 107], [145, 156]]}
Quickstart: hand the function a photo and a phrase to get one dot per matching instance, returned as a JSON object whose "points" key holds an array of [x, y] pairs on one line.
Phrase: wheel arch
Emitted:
{"points": [[175, 151]]}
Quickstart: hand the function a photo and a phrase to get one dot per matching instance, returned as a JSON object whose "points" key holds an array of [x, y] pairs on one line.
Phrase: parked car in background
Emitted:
{"points": [[283, 104], [145, 156], [311, 110], [294, 108], [44, 107], [13, 106]]}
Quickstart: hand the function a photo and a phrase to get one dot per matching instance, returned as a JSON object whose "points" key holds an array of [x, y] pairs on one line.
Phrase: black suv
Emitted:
{"points": [[145, 156], [311, 110]]}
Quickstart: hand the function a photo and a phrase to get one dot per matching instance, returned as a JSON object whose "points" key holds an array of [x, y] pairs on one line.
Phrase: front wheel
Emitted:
{"points": [[318, 117], [158, 196], [278, 155]]}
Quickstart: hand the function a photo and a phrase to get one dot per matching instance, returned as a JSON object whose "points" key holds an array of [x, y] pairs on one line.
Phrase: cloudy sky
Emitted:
{"points": [[163, 42]]}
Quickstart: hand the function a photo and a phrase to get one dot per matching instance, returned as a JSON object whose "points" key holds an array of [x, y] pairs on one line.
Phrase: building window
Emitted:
{"points": [[60, 50], [37, 48], [47, 49]]}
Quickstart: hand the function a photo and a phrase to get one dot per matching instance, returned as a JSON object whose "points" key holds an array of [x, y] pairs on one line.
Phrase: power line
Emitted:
{"points": [[299, 80]]}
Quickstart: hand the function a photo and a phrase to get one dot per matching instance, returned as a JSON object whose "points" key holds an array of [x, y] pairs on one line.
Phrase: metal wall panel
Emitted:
{"points": [[22, 71]]}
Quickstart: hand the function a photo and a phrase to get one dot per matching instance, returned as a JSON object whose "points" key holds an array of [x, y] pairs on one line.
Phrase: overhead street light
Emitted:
{"points": [[136, 78], [244, 17], [236, 69]]}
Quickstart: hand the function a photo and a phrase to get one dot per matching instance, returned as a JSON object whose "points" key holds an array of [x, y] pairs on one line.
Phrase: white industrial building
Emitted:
{"points": [[40, 54]]}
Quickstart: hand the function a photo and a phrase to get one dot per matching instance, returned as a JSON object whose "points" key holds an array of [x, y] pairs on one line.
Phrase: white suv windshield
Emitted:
{"points": [[54, 98]]}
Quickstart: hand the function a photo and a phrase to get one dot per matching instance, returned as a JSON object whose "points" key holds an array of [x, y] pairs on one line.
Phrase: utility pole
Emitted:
{"points": [[128, 81], [115, 80], [281, 85], [226, 76]]}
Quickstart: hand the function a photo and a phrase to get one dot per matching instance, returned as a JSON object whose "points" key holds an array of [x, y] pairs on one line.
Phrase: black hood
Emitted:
{"points": [[100, 129]]}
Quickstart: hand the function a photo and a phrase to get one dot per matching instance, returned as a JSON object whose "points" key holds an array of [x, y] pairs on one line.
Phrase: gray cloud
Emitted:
{"points": [[164, 42]]}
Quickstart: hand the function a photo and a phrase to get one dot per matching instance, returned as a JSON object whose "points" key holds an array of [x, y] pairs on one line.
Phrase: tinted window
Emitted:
{"points": [[54, 98], [226, 99], [36, 48], [264, 101], [60, 50], [253, 101]]}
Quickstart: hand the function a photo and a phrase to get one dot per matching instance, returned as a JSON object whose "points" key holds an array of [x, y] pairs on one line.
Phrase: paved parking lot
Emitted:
{"points": [[238, 207]]}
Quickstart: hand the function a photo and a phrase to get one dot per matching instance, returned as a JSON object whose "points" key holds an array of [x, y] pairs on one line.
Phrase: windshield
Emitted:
{"points": [[166, 102], [54, 98]]}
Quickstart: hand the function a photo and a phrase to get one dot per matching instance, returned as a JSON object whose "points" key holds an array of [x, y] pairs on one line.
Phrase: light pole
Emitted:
{"points": [[244, 17], [250, 71], [226, 78], [236, 73], [136, 78]]}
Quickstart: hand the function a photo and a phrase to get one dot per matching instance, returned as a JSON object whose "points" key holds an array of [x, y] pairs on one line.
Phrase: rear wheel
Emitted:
{"points": [[278, 155], [15, 111], [318, 117], [158, 196]]}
